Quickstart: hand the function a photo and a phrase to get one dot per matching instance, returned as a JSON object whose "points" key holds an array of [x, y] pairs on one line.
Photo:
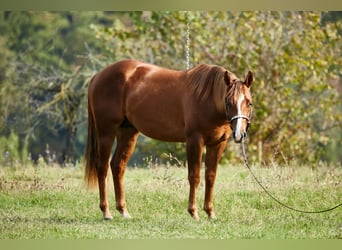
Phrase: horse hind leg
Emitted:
{"points": [[105, 146], [126, 140]]}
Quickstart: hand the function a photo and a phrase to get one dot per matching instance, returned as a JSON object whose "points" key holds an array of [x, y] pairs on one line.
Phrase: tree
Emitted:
{"points": [[45, 73], [47, 59], [294, 59]]}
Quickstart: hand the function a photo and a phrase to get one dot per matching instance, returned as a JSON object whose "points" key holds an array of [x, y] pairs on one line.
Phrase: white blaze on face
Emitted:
{"points": [[239, 120]]}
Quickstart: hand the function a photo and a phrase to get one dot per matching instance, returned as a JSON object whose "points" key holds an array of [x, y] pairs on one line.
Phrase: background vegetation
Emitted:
{"points": [[47, 59]]}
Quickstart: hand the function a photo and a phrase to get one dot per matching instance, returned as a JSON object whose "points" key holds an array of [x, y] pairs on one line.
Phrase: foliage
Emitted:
{"points": [[48, 74], [294, 58], [9, 154], [47, 58]]}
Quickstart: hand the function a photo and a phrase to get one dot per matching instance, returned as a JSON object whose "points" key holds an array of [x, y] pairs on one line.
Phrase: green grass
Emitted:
{"points": [[52, 203]]}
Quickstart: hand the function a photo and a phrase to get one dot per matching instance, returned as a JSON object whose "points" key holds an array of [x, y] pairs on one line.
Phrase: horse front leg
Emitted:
{"points": [[213, 156], [194, 149]]}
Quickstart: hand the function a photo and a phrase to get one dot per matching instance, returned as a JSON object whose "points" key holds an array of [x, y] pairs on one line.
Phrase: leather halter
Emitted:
{"points": [[235, 117]]}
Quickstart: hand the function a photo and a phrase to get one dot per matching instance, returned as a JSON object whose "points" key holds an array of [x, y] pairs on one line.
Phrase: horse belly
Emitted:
{"points": [[161, 120], [154, 103], [158, 126]]}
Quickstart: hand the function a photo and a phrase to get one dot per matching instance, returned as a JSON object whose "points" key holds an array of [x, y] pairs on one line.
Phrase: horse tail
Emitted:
{"points": [[92, 149]]}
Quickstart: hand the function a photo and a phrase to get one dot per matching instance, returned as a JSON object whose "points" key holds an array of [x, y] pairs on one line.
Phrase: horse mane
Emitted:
{"points": [[207, 81]]}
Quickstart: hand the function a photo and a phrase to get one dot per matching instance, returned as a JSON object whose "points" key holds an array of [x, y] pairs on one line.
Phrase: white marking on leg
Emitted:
{"points": [[126, 215]]}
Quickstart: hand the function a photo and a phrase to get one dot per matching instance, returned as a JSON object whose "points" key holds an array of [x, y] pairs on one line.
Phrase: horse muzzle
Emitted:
{"points": [[239, 136]]}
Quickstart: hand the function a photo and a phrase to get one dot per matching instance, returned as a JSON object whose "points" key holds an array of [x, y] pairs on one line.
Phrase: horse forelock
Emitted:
{"points": [[207, 81], [235, 91]]}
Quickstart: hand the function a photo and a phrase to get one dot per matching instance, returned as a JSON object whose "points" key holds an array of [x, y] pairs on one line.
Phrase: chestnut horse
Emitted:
{"points": [[201, 106]]}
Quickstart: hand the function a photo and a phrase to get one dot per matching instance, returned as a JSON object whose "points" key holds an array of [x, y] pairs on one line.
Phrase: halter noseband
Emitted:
{"points": [[235, 117]]}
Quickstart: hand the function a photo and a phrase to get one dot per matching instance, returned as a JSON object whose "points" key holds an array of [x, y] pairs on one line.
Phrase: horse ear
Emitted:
{"points": [[227, 78], [249, 79]]}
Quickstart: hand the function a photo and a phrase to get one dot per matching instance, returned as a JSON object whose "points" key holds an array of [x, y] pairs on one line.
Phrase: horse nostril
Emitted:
{"points": [[243, 136]]}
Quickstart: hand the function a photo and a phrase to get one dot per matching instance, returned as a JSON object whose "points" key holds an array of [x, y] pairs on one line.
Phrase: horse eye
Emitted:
{"points": [[250, 104]]}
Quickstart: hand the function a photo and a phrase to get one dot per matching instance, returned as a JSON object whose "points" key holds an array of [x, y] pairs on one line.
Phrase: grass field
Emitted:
{"points": [[52, 203]]}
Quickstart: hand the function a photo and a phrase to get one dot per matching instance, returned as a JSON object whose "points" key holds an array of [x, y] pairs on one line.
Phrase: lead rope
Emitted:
{"points": [[187, 38], [275, 199]]}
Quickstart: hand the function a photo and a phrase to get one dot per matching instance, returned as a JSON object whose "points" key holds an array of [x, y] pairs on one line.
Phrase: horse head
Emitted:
{"points": [[239, 105]]}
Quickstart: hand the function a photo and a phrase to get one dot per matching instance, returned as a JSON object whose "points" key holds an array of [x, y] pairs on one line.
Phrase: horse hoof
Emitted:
{"points": [[212, 217], [108, 218], [126, 215], [195, 217]]}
